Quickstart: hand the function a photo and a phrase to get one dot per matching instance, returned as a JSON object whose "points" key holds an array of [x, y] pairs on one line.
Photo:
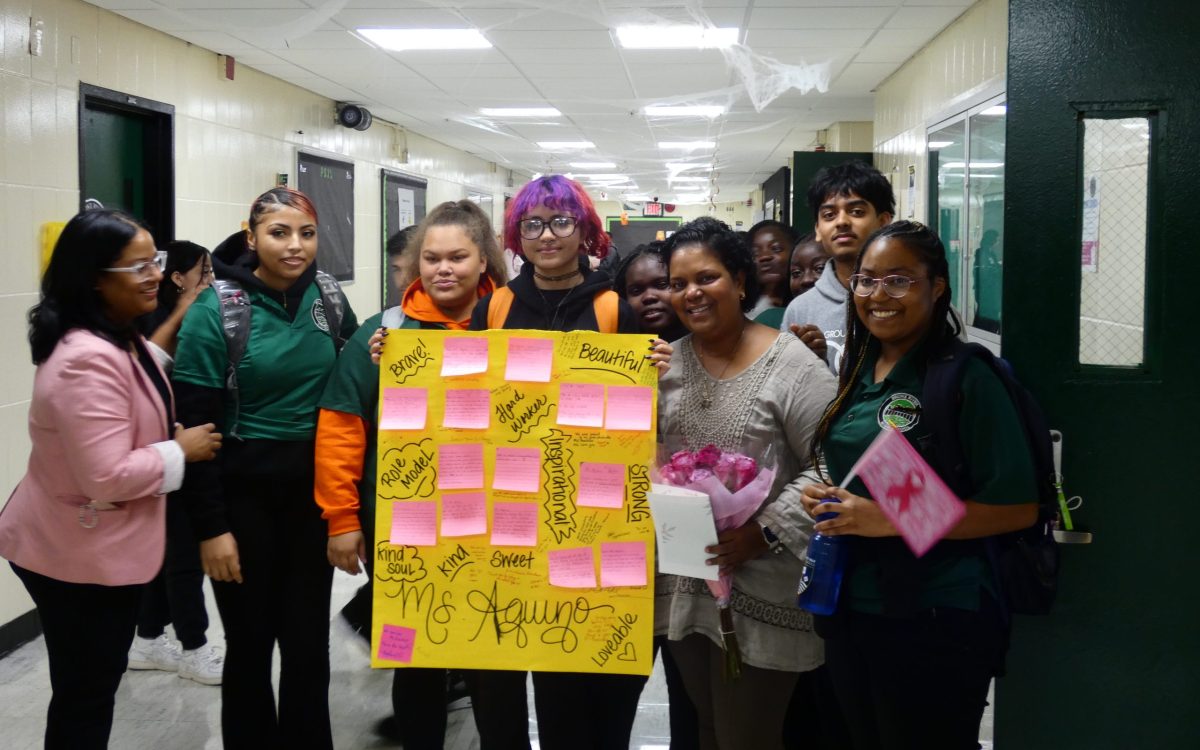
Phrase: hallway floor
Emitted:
{"points": [[159, 711]]}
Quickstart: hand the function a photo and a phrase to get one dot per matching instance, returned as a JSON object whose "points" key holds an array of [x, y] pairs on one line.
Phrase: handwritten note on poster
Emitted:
{"points": [[536, 545], [404, 409]]}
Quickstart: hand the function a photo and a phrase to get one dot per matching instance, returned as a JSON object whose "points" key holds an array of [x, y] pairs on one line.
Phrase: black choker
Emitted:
{"points": [[561, 277]]}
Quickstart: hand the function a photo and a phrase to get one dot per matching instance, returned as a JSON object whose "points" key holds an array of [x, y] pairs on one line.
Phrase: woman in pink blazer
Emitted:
{"points": [[85, 527]]}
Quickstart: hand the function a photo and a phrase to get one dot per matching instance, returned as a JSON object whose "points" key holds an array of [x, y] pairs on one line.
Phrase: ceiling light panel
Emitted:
{"points": [[399, 40]]}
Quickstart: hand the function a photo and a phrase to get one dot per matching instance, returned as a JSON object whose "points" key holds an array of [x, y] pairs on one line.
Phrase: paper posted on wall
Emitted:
{"points": [[683, 525]]}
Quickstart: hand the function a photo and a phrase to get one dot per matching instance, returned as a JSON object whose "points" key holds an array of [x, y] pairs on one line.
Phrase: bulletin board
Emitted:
{"points": [[513, 529], [404, 204], [329, 183]]}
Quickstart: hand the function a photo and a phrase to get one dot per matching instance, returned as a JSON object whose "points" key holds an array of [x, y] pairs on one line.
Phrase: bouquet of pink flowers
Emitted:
{"points": [[736, 485]]}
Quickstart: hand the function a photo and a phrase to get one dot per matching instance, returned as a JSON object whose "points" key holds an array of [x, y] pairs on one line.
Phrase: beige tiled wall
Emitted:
{"points": [[968, 59], [231, 138]]}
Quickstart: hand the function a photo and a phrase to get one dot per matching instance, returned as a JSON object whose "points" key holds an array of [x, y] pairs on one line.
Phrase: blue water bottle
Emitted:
{"points": [[824, 565]]}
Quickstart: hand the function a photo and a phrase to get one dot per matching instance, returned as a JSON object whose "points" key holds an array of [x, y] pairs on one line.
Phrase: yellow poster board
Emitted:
{"points": [[512, 525]]}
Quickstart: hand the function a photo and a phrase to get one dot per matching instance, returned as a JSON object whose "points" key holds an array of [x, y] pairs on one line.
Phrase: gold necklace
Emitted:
{"points": [[706, 398]]}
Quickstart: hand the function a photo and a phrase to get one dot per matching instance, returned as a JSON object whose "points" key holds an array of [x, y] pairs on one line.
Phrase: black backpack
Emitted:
{"points": [[1025, 562]]}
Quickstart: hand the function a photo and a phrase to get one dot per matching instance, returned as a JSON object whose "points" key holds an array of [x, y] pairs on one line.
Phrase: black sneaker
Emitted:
{"points": [[388, 729]]}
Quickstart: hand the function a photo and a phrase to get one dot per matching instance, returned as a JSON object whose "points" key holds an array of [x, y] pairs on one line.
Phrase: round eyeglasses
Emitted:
{"points": [[145, 269], [560, 226], [894, 286]]}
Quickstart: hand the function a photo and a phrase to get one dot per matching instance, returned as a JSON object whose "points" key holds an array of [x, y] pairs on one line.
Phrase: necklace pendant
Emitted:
{"points": [[705, 402]]}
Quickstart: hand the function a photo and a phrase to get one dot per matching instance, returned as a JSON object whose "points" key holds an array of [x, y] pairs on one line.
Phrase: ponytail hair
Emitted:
{"points": [[944, 326]]}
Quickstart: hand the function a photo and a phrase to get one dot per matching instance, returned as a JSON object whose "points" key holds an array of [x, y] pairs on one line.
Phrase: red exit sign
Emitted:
{"points": [[652, 209]]}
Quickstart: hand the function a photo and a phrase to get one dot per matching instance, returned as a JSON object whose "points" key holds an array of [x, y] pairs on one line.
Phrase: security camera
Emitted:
{"points": [[354, 116]]}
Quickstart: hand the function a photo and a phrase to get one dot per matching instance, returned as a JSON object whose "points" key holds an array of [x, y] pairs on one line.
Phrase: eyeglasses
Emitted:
{"points": [[560, 226], [145, 269], [894, 286]]}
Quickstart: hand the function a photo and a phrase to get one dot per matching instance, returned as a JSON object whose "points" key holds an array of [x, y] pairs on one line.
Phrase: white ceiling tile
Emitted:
{"points": [[527, 56], [582, 89], [460, 70], [924, 17], [818, 18], [652, 59], [759, 39], [493, 91], [393, 18], [901, 37], [519, 18]]}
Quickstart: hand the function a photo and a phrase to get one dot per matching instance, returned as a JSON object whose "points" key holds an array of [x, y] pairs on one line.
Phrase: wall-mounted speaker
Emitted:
{"points": [[354, 116]]}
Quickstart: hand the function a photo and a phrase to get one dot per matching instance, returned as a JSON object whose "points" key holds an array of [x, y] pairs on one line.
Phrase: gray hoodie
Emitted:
{"points": [[825, 307]]}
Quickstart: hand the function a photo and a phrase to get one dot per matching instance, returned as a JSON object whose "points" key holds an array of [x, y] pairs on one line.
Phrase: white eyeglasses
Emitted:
{"points": [[143, 270]]}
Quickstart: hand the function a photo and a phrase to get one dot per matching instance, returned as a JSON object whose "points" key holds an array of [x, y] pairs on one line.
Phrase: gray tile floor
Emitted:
{"points": [[159, 711]]}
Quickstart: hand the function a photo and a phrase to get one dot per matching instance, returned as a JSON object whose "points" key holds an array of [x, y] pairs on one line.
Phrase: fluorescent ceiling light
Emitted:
{"points": [[398, 40], [698, 110], [687, 178], [676, 37], [565, 145], [520, 112], [594, 164], [687, 145], [999, 109], [941, 144]]}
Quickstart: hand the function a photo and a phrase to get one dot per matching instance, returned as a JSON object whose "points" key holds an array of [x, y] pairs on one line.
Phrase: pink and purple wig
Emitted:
{"points": [[558, 194]]}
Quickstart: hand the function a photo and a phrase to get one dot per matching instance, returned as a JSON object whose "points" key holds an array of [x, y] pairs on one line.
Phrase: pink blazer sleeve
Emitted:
{"points": [[92, 404]]}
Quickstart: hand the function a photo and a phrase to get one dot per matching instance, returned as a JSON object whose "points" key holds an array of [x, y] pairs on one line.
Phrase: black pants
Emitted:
{"points": [[500, 708], [916, 683], [284, 599], [176, 595], [814, 718], [585, 711], [418, 694], [88, 630]]}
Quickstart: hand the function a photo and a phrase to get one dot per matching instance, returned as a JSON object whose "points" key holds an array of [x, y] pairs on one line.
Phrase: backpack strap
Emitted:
{"points": [[235, 323], [941, 403], [333, 299], [606, 306], [393, 317], [501, 303]]}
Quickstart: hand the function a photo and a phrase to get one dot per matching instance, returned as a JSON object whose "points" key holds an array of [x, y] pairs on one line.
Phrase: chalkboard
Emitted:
{"points": [[329, 183], [403, 205], [639, 231]]}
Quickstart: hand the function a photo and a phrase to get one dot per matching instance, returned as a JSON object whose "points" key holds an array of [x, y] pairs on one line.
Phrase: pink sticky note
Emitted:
{"points": [[913, 497], [467, 408], [514, 524], [572, 568], [580, 404], [396, 643], [622, 564], [465, 355], [628, 407], [460, 467], [464, 514], [404, 409], [530, 360], [601, 485], [414, 523], [517, 469]]}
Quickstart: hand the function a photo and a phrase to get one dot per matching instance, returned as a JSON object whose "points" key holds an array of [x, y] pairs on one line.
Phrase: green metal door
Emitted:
{"points": [[1101, 186], [114, 147]]}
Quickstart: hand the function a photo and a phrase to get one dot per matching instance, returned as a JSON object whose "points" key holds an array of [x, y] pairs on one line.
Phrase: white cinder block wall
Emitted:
{"points": [[231, 139], [970, 56]]}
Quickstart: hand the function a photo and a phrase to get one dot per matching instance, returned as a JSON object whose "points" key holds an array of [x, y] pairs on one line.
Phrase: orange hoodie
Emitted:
{"points": [[342, 437]]}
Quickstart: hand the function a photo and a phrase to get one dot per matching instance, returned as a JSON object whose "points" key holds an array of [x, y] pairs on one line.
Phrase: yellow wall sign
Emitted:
{"points": [[512, 525]]}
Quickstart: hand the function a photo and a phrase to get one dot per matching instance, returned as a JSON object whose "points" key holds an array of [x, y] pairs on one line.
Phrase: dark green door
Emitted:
{"points": [[126, 157], [1100, 190], [114, 146]]}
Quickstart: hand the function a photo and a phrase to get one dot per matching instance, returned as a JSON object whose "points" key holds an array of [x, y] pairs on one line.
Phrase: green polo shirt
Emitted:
{"points": [[282, 372], [994, 445], [353, 388]]}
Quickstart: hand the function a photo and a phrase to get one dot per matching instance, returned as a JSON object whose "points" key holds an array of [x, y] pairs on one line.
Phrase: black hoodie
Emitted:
{"points": [[285, 463], [556, 310]]}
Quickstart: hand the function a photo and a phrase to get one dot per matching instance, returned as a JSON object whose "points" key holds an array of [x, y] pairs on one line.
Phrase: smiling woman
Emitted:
{"points": [[745, 388]]}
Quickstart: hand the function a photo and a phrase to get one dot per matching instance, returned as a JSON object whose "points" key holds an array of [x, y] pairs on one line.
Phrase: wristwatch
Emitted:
{"points": [[773, 543]]}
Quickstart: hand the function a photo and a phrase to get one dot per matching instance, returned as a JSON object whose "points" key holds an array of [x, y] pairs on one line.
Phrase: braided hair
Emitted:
{"points": [[944, 325]]}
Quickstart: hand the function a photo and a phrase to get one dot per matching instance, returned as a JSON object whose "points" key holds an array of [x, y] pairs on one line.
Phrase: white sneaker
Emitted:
{"points": [[204, 665], [158, 653]]}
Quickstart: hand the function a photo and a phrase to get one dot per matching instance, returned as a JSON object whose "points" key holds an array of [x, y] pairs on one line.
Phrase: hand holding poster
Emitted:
{"points": [[907, 490], [513, 529]]}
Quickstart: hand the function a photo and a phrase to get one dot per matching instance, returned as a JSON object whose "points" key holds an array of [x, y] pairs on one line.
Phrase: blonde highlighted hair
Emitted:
{"points": [[471, 219]]}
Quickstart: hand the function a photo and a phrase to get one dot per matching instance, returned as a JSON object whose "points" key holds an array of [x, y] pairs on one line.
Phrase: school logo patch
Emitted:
{"points": [[318, 315], [901, 410]]}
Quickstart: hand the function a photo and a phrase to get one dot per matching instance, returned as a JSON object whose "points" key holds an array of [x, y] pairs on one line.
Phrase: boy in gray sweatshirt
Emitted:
{"points": [[848, 201]]}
